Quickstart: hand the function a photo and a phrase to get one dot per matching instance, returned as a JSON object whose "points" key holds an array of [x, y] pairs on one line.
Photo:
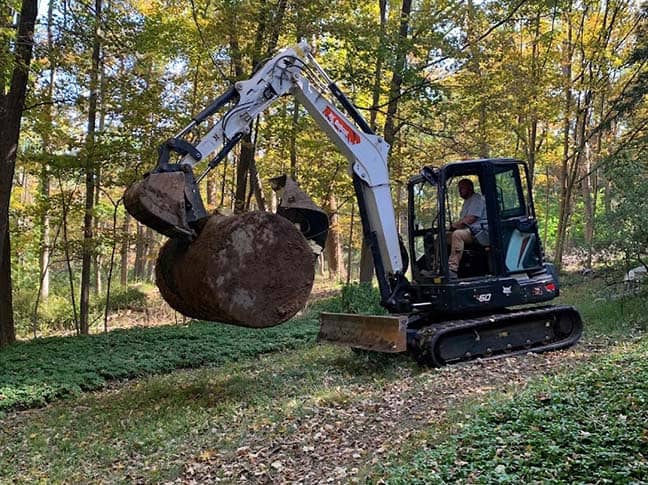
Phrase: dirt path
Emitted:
{"points": [[332, 441]]}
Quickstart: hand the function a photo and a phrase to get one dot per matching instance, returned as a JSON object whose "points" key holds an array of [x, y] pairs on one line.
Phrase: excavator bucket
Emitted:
{"points": [[378, 333], [166, 202], [300, 209]]}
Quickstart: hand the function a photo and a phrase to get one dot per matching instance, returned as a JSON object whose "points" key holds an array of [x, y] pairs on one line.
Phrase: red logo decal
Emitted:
{"points": [[341, 126]]}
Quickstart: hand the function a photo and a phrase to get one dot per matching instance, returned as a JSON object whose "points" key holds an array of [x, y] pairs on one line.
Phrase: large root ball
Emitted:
{"points": [[253, 270]]}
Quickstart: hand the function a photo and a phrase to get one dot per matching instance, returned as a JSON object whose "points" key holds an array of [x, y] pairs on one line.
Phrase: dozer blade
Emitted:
{"points": [[158, 201], [538, 329], [370, 332]]}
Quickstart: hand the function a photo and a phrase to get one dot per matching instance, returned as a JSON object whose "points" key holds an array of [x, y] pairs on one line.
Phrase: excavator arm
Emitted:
{"points": [[168, 199]]}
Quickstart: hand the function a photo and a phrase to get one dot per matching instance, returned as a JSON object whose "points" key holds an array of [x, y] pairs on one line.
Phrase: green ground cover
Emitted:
{"points": [[587, 427], [148, 429], [33, 373]]}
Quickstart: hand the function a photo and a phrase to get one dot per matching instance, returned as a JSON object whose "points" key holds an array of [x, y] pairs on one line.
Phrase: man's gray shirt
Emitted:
{"points": [[474, 206]]}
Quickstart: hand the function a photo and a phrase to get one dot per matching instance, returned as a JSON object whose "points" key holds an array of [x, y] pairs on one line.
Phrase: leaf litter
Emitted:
{"points": [[337, 440]]}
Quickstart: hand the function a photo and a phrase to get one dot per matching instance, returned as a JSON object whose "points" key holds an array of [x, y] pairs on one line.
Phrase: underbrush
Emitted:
{"points": [[33, 373], [360, 298], [56, 315], [609, 309], [587, 427], [36, 372]]}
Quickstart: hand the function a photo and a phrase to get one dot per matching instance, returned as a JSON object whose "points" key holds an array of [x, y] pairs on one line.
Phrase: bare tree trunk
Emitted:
{"points": [[320, 264], [96, 256], [211, 191], [88, 224], [140, 253], [96, 259], [565, 193], [123, 253], [333, 244], [151, 247], [68, 258], [350, 255], [242, 171], [11, 108], [256, 186], [223, 184], [292, 144], [7, 329]]}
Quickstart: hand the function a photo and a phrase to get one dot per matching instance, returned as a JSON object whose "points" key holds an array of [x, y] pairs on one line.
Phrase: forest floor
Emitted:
{"points": [[312, 414], [346, 434]]}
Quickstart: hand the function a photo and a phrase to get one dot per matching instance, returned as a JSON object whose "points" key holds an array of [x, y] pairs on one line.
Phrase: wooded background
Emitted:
{"points": [[89, 89]]}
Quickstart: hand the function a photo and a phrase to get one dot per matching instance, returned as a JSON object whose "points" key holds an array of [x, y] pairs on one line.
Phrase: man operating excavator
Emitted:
{"points": [[471, 217]]}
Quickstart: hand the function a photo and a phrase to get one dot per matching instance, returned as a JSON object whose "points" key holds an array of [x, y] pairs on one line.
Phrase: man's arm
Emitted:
{"points": [[464, 222], [473, 210]]}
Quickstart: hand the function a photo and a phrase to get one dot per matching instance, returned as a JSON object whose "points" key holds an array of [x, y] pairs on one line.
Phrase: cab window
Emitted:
{"points": [[510, 197]]}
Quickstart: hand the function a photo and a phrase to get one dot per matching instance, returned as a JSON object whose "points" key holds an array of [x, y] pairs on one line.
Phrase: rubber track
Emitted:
{"points": [[462, 335]]}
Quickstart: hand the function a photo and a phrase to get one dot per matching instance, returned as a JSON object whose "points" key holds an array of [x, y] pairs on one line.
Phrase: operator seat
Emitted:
{"points": [[476, 259]]}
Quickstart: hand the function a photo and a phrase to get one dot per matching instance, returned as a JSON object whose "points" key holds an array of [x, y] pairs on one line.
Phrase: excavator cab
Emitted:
{"points": [[505, 243], [503, 265]]}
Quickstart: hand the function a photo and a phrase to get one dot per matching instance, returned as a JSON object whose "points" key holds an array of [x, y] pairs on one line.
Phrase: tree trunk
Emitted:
{"points": [[7, 329], [268, 29], [96, 257], [88, 223], [333, 243], [378, 71], [151, 246], [140, 253], [11, 108], [211, 191], [366, 257], [223, 183], [242, 171], [44, 253], [123, 253], [564, 204], [292, 144], [350, 254]]}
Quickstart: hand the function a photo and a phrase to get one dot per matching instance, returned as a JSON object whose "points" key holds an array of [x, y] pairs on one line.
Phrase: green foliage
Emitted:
{"points": [[361, 298], [34, 373], [54, 314], [129, 298], [626, 226], [606, 305], [146, 430], [588, 427]]}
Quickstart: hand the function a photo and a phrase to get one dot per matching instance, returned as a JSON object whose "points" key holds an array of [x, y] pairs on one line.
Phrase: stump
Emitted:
{"points": [[252, 270]]}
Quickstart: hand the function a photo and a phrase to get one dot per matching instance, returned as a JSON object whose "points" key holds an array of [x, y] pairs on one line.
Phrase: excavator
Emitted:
{"points": [[496, 303]]}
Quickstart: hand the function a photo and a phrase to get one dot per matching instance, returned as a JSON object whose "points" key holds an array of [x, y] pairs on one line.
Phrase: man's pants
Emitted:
{"points": [[457, 239]]}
